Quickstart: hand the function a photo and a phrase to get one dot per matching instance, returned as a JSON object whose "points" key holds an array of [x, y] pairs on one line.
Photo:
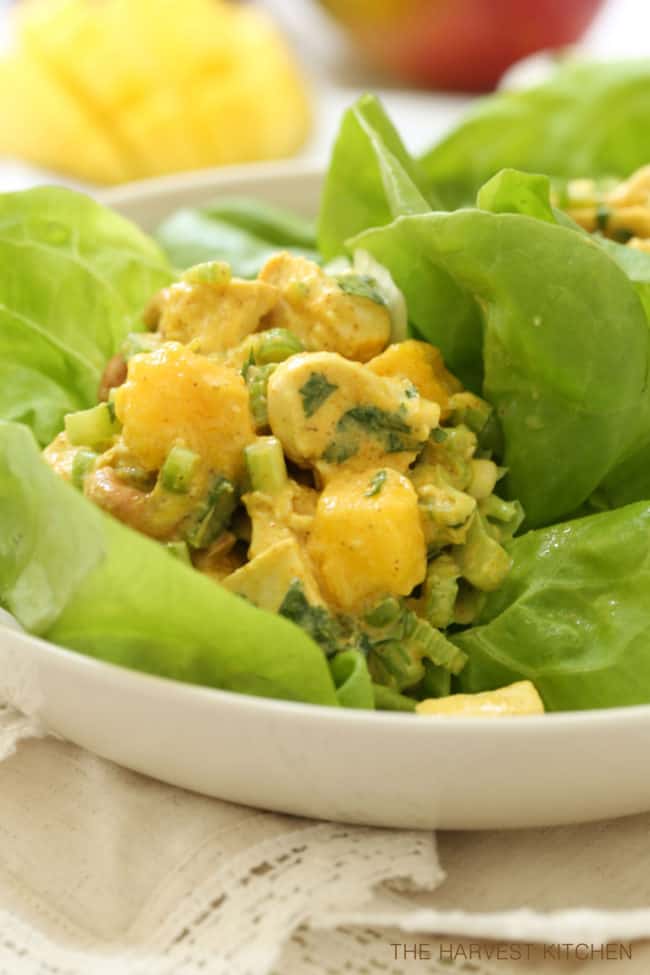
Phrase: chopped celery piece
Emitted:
{"points": [[440, 591], [386, 699], [211, 272], [391, 663], [508, 514], [470, 410], [435, 683], [266, 466], [213, 516], [425, 642], [257, 378], [276, 345], [180, 551], [178, 470], [384, 613], [93, 427], [482, 561], [396, 657], [83, 463]]}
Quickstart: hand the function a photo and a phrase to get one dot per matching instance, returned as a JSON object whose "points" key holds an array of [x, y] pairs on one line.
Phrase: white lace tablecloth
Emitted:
{"points": [[105, 871]]}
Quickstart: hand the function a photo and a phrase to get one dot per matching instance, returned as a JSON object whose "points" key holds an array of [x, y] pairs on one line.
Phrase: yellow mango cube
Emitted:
{"points": [[367, 540], [173, 396], [520, 698], [422, 365]]}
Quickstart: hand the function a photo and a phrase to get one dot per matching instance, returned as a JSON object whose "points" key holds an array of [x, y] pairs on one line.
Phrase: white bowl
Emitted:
{"points": [[361, 767]]}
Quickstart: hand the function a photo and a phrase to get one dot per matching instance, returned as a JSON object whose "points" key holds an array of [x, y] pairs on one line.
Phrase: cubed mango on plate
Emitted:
{"points": [[147, 87]]}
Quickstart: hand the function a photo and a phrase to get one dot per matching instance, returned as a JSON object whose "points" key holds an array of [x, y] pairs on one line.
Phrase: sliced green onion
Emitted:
{"points": [[266, 466], [276, 345], [179, 470], [83, 463], [92, 428]]}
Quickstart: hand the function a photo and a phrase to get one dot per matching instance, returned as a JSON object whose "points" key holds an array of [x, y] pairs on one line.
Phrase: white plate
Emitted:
{"points": [[380, 769]]}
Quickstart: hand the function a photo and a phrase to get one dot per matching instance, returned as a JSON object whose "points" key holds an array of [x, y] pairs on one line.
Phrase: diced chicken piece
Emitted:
{"points": [[266, 579], [367, 540], [315, 308], [215, 317], [60, 456], [422, 365], [173, 396], [288, 514], [328, 412], [640, 244]]}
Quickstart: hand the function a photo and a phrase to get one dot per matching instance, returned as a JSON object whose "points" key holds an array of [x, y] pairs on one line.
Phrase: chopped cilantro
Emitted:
{"points": [[315, 391], [390, 429], [361, 286], [376, 484], [315, 620], [338, 452]]}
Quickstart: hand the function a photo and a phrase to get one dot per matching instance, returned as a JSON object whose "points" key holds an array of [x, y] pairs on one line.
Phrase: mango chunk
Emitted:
{"points": [[367, 540], [422, 365], [173, 396], [520, 698], [166, 86], [44, 124]]}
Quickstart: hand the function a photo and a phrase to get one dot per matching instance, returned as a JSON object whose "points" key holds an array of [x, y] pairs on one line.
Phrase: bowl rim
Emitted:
{"points": [[139, 191], [121, 677]]}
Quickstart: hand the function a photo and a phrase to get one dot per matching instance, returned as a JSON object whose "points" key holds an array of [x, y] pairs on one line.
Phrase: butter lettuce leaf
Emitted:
{"points": [[242, 231], [74, 278], [77, 577], [564, 346], [371, 178], [589, 119], [572, 616]]}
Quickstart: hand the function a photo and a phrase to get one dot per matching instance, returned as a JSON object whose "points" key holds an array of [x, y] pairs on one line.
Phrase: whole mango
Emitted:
{"points": [[459, 44]]}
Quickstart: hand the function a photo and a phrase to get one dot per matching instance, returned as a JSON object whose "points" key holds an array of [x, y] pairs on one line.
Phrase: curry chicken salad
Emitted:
{"points": [[284, 437]]}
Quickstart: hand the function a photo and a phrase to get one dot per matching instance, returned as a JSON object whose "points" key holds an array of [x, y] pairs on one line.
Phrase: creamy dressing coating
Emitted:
{"points": [[270, 432]]}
